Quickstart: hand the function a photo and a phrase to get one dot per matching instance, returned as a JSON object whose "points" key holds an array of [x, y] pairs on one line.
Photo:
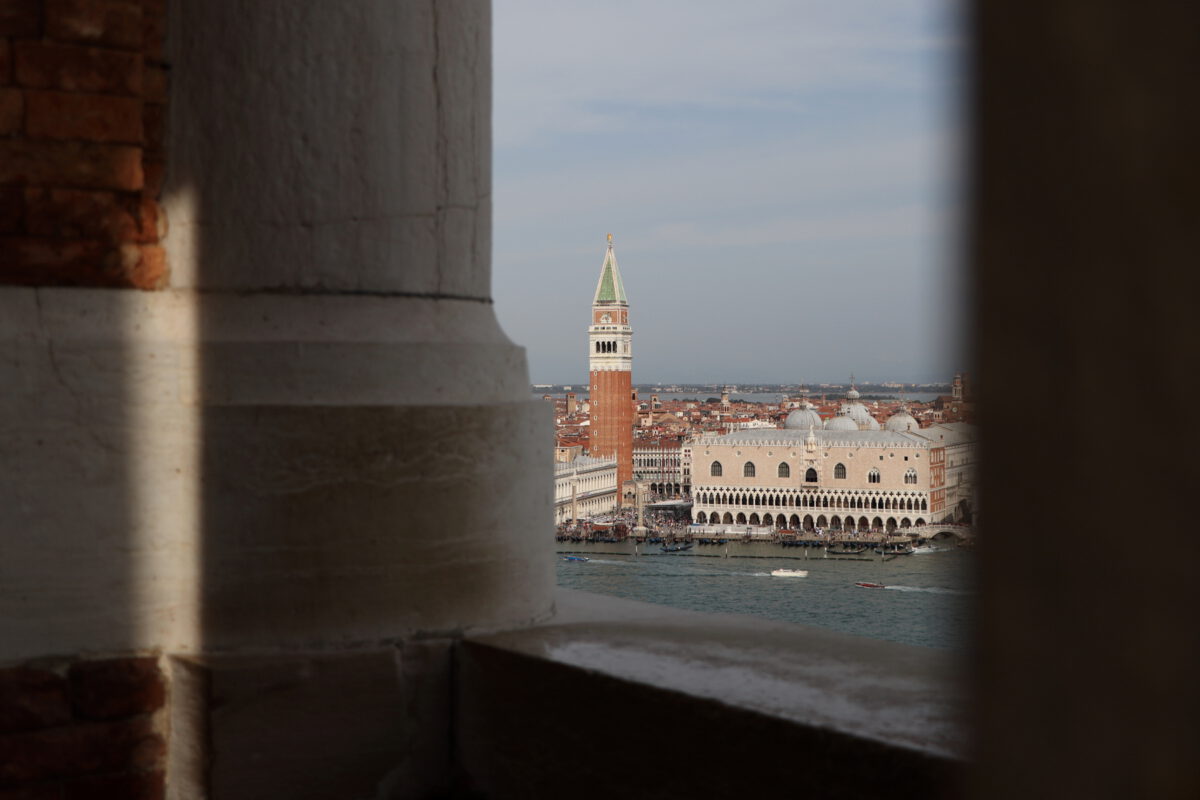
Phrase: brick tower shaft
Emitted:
{"points": [[610, 363]]}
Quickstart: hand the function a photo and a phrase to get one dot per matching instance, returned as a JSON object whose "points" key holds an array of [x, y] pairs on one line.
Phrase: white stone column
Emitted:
{"points": [[373, 462], [318, 437]]}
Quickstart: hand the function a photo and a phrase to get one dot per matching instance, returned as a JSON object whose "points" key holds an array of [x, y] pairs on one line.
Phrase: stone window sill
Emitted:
{"points": [[606, 675]]}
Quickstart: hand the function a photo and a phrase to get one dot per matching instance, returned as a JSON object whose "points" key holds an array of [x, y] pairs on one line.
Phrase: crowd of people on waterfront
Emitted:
{"points": [[662, 526]]}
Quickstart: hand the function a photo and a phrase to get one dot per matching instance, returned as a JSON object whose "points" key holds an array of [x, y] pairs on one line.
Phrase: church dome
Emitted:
{"points": [[858, 412], [901, 422], [842, 422], [803, 418], [853, 394]]}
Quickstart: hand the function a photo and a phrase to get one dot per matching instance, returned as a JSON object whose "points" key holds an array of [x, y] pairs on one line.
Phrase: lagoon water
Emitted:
{"points": [[926, 602]]}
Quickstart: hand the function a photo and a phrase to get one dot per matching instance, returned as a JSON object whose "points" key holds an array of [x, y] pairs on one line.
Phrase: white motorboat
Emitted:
{"points": [[790, 573]]}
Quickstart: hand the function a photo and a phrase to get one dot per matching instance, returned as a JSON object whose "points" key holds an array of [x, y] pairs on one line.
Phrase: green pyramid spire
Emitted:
{"points": [[610, 290]]}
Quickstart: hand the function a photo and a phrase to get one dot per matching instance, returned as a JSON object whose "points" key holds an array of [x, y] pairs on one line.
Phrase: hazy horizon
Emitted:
{"points": [[582, 386]]}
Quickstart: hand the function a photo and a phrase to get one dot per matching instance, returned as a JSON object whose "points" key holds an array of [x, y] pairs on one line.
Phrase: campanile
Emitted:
{"points": [[610, 364]]}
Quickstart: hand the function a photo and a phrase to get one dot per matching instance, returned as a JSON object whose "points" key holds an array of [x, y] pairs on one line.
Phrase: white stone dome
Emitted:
{"points": [[858, 412], [853, 394], [842, 422], [902, 421], [803, 418]]}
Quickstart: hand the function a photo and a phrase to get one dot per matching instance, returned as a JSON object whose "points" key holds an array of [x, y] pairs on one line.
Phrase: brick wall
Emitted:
{"points": [[83, 729], [83, 91]]}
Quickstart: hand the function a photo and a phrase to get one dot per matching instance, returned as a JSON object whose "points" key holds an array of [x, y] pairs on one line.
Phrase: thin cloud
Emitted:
{"points": [[557, 60], [764, 162]]}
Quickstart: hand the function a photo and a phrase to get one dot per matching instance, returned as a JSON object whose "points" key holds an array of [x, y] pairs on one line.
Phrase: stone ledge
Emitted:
{"points": [[629, 697], [192, 430], [370, 723]]}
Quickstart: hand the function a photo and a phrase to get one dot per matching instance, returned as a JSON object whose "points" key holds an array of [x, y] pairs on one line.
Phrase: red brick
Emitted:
{"points": [[149, 219], [154, 84], [152, 221], [11, 111], [12, 209], [74, 68], [121, 786], [117, 687], [77, 164], [20, 18], [80, 749], [91, 117], [48, 262], [144, 266], [82, 214], [156, 172], [154, 129], [116, 23], [38, 791], [5, 62], [154, 29], [32, 699], [26, 261]]}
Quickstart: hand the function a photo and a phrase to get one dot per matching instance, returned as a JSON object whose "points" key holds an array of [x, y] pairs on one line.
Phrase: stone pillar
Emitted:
{"points": [[365, 421], [1083, 238], [319, 428], [315, 439]]}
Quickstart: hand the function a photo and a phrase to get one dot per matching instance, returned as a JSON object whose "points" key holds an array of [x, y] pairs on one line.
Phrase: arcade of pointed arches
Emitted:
{"points": [[808, 522], [762, 500]]}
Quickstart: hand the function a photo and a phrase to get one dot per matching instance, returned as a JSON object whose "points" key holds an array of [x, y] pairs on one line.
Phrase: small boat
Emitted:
{"points": [[846, 552], [927, 548], [575, 558], [869, 585], [790, 573], [676, 548]]}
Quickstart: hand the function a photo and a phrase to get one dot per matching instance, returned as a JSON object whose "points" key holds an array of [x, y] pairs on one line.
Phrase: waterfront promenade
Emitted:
{"points": [[622, 528]]}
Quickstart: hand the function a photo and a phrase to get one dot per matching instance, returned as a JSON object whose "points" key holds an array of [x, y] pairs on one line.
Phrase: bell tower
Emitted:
{"points": [[610, 366]]}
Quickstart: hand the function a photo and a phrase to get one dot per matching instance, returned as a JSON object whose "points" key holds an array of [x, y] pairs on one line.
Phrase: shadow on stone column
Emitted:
{"points": [[371, 455]]}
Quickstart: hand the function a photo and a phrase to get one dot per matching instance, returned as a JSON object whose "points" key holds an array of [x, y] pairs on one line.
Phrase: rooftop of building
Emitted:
{"points": [[658, 443], [584, 464], [822, 437], [950, 433]]}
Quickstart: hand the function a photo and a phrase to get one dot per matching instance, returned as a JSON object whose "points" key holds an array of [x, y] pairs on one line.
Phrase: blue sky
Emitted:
{"points": [[781, 179]]}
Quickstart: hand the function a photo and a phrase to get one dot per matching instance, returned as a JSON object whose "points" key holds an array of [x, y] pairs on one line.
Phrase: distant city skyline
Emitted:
{"points": [[780, 178]]}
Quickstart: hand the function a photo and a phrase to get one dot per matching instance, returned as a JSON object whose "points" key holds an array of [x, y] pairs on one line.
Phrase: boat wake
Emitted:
{"points": [[929, 589]]}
